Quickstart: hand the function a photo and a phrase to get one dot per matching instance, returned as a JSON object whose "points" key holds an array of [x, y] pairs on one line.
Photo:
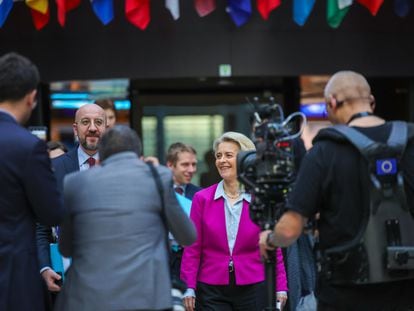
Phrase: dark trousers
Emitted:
{"points": [[230, 297]]}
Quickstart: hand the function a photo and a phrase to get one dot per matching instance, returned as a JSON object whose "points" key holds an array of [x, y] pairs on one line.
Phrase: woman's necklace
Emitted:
{"points": [[231, 196]]}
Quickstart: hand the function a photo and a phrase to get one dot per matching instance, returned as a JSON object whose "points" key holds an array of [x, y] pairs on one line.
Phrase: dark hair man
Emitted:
{"points": [[28, 187], [330, 182], [88, 127], [115, 234]]}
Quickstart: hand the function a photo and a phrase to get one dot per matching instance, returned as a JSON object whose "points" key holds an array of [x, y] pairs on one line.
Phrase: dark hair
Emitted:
{"points": [[53, 145], [106, 103], [120, 138], [18, 77], [176, 148]]}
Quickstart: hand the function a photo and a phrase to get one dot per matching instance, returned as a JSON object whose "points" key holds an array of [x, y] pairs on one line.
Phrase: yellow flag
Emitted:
{"points": [[38, 5]]}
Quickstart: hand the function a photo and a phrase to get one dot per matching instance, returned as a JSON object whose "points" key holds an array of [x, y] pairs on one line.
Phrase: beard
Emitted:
{"points": [[89, 146]]}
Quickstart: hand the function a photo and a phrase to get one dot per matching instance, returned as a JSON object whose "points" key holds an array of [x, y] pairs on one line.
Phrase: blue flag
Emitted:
{"points": [[104, 10], [402, 7], [240, 11], [302, 10], [5, 8]]}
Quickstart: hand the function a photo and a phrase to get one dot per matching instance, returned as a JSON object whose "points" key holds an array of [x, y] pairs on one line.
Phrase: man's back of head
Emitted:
{"points": [[19, 78], [119, 139], [347, 85]]}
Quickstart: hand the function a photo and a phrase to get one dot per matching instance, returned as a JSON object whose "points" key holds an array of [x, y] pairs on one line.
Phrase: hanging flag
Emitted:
{"points": [[64, 6], [104, 10], [334, 14], [138, 12], [302, 10], [5, 8], [372, 5], [239, 10], [204, 7], [38, 5], [40, 20], [402, 7], [266, 6], [174, 7], [40, 12]]}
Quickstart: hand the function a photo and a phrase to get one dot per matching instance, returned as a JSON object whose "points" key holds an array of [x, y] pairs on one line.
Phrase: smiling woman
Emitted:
{"points": [[224, 263]]}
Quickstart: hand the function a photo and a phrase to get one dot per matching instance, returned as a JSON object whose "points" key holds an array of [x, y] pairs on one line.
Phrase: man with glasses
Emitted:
{"points": [[333, 180], [89, 125]]}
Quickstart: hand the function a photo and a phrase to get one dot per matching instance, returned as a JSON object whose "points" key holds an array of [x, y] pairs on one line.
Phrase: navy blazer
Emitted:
{"points": [[62, 165], [28, 194], [190, 191]]}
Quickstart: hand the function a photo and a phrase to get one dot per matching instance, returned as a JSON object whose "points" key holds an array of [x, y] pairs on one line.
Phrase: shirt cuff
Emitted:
{"points": [[190, 292], [44, 269], [282, 293]]}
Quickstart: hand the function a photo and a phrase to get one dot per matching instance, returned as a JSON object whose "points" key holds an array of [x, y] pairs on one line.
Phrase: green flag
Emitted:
{"points": [[334, 14]]}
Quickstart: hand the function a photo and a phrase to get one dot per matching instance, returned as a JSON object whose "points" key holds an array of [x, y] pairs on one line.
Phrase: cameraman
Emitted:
{"points": [[329, 182]]}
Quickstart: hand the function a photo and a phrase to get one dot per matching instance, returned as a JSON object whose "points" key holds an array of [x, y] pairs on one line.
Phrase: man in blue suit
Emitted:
{"points": [[28, 187], [89, 125]]}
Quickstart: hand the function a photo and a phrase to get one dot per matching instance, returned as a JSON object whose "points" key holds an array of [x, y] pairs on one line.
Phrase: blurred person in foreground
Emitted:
{"points": [[329, 182], [115, 234], [29, 191], [223, 269]]}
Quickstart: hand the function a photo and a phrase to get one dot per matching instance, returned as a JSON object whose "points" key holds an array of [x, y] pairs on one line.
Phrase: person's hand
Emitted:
{"points": [[282, 297], [153, 160], [263, 246], [50, 277], [189, 303]]}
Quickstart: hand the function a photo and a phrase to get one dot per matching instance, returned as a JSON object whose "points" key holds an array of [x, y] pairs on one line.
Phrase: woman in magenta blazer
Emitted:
{"points": [[223, 269]]}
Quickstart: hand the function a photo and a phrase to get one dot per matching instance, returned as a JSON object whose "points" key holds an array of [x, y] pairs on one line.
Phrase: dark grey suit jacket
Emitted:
{"points": [[116, 238]]}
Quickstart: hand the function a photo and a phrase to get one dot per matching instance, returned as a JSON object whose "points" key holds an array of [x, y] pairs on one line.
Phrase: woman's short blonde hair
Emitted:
{"points": [[241, 140]]}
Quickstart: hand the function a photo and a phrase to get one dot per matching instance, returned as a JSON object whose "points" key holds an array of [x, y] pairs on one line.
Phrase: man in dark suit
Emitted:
{"points": [[182, 161], [28, 187], [89, 125]]}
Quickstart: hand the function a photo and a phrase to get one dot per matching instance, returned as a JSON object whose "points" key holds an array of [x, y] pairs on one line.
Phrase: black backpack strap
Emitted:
{"points": [[397, 139], [161, 193]]}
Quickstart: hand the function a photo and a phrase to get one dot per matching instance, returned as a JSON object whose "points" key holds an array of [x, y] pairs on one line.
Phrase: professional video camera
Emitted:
{"points": [[269, 172]]}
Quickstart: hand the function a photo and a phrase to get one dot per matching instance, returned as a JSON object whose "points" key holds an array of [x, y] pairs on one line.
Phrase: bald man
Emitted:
{"points": [[329, 182], [89, 125]]}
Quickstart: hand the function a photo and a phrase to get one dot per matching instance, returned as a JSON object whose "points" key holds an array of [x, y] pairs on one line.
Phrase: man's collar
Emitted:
{"points": [[83, 156], [8, 113]]}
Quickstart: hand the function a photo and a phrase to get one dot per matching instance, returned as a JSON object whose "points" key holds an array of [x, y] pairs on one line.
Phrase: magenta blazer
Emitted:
{"points": [[207, 260]]}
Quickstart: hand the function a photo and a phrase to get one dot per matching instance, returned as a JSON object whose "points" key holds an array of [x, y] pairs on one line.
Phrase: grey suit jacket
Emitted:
{"points": [[116, 238]]}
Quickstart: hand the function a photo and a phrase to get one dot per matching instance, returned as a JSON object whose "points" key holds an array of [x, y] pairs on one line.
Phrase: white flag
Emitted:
{"points": [[174, 7], [342, 4]]}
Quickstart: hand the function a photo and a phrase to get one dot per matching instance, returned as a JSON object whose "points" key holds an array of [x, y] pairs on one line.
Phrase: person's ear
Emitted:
{"points": [[331, 102], [31, 99], [372, 104]]}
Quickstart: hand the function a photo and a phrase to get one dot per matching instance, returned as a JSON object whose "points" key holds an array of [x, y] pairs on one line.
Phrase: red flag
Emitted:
{"points": [[267, 6], [40, 20], [204, 7], [138, 12], [372, 5], [64, 6]]}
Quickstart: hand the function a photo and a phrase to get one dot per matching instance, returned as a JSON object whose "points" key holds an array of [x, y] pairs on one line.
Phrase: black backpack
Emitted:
{"points": [[383, 249]]}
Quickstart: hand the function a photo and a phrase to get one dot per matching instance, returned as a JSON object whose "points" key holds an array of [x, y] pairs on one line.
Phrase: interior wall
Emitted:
{"points": [[195, 47]]}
